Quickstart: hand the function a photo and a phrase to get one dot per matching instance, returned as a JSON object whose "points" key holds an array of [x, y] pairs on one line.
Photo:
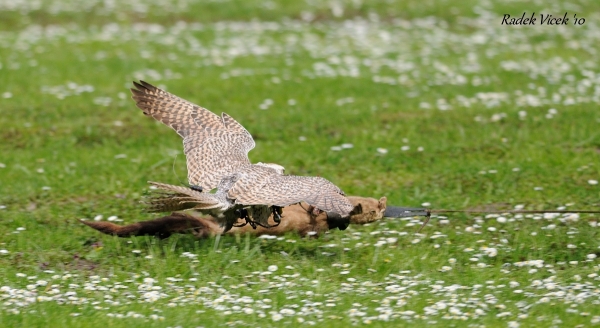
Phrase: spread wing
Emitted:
{"points": [[283, 190], [214, 146]]}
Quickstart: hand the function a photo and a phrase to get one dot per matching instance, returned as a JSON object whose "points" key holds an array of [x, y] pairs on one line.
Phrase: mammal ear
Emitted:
{"points": [[382, 203], [357, 209]]}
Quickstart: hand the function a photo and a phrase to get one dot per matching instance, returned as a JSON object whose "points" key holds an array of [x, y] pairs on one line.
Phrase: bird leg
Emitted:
{"points": [[243, 214], [277, 211]]}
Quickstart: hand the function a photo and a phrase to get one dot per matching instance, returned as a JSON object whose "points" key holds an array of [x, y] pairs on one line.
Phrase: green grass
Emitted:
{"points": [[67, 123]]}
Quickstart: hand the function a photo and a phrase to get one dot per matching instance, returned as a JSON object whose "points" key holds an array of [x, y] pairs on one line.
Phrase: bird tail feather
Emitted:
{"points": [[178, 198]]}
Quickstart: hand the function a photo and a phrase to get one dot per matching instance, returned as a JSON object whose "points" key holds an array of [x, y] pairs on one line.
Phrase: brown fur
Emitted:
{"points": [[300, 218]]}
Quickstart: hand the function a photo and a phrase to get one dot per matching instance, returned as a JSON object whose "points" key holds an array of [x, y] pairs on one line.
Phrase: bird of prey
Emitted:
{"points": [[216, 150]]}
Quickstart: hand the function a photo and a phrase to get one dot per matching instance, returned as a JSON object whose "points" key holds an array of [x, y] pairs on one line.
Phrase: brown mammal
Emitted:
{"points": [[300, 218]]}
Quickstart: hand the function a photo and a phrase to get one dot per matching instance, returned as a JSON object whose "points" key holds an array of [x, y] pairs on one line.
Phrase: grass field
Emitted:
{"points": [[441, 103]]}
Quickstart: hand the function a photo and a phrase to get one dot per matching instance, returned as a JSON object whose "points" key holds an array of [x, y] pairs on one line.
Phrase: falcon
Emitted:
{"points": [[216, 150]]}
